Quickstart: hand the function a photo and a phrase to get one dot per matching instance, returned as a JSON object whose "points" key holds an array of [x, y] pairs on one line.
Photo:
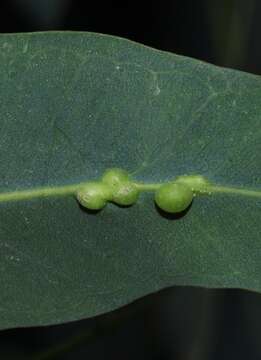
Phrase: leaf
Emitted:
{"points": [[76, 104]]}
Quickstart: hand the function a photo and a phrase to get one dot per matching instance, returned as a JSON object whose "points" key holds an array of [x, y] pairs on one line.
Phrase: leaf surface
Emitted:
{"points": [[76, 104]]}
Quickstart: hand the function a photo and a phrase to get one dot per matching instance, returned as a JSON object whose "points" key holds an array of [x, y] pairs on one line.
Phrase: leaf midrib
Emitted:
{"points": [[68, 190]]}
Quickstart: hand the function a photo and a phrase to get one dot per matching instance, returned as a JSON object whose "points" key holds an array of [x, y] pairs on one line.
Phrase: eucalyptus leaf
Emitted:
{"points": [[76, 104]]}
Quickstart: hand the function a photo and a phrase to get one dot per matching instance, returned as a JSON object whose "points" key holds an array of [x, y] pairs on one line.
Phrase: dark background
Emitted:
{"points": [[177, 323]]}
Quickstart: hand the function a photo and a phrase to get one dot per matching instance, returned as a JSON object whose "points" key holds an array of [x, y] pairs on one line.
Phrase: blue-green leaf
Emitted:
{"points": [[76, 104]]}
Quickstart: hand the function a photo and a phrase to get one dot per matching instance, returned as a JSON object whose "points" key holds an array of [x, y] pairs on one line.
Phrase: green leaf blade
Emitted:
{"points": [[76, 104]]}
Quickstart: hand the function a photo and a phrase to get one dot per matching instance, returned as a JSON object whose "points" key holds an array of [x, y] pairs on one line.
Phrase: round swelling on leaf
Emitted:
{"points": [[94, 195], [196, 183], [173, 197], [123, 191], [114, 177], [125, 194]]}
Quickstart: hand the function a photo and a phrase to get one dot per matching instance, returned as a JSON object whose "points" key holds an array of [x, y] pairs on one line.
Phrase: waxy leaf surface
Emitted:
{"points": [[75, 104]]}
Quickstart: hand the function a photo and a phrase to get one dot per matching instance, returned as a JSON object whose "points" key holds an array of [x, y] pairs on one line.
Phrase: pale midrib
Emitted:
{"points": [[70, 190], [40, 193]]}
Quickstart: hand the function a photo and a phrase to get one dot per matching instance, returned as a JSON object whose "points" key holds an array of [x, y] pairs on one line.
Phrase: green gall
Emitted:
{"points": [[94, 195], [125, 194], [123, 191], [114, 177], [173, 197], [196, 183]]}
